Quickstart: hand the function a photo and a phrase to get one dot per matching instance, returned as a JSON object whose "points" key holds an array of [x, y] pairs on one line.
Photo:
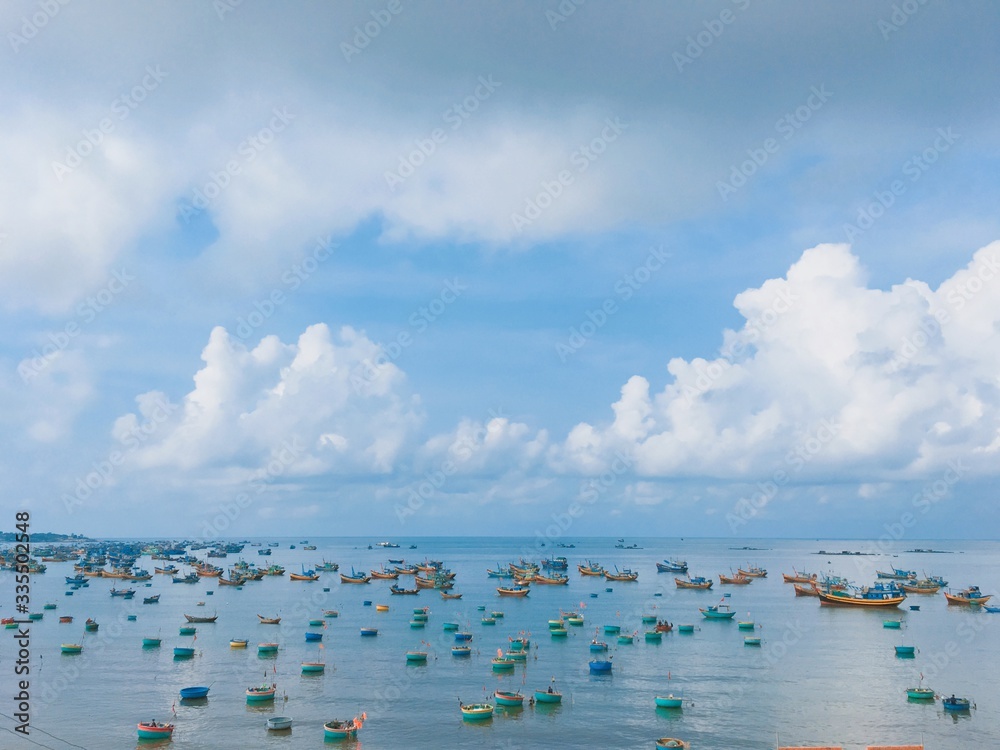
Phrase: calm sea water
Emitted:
{"points": [[823, 675]]}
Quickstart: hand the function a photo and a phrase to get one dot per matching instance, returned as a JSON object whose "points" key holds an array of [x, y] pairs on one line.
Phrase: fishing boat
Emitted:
{"points": [[897, 575], [879, 595], [662, 626], [476, 711], [305, 575], [188, 630], [920, 694], [331, 613], [354, 577], [66, 618], [671, 743], [192, 618], [600, 666], [154, 730], [384, 575], [183, 652], [626, 574], [378, 608], [189, 578], [461, 637], [752, 571], [626, 638], [591, 569], [971, 596], [313, 667], [923, 586], [518, 591], [150, 642], [892, 624], [269, 620], [502, 663], [416, 657], [71, 648], [799, 577], [746, 624], [261, 693], [719, 611], [906, 650], [461, 650], [446, 595], [91, 625], [399, 591], [125, 593], [550, 695], [279, 723], [267, 648], [193, 693], [238, 643], [669, 701], [612, 629], [752, 640], [319, 623], [596, 645], [314, 636], [369, 632], [739, 579], [698, 582], [956, 704], [672, 566], [508, 699], [338, 729], [328, 567], [653, 636], [151, 599], [807, 590]]}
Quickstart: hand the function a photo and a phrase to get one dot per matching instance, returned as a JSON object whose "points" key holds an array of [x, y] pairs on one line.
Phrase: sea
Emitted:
{"points": [[822, 676]]}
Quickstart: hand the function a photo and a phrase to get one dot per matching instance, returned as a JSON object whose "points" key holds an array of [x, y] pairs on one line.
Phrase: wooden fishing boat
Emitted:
{"points": [[807, 590], [693, 583], [920, 694], [897, 575], [231, 582], [739, 579], [461, 650], [596, 645], [556, 580], [192, 618], [752, 640], [331, 613], [307, 576], [621, 575], [662, 626], [71, 648], [672, 566], [476, 711], [798, 577], [188, 630], [238, 643], [369, 632], [878, 595], [971, 596], [151, 599], [671, 743], [313, 667], [261, 693], [269, 620], [925, 586], [669, 701], [314, 637], [328, 567], [279, 723], [590, 569], [66, 618], [183, 652], [906, 650], [446, 595], [508, 699], [354, 578], [384, 575], [718, 612], [267, 648], [416, 657], [502, 663], [154, 730], [193, 693], [548, 696], [91, 626], [394, 589], [600, 666], [752, 571], [150, 642], [338, 729], [518, 591]]}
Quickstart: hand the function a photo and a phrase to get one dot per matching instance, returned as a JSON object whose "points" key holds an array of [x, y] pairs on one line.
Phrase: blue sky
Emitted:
{"points": [[465, 268]]}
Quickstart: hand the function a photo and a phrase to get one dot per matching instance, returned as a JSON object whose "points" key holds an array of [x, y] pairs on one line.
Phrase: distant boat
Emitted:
{"points": [[154, 730], [892, 624], [337, 729], [752, 640], [461, 650], [668, 701], [354, 577], [739, 579], [476, 711], [400, 591], [548, 696], [718, 612], [920, 694], [190, 693], [590, 569], [672, 566], [278, 723], [698, 582], [182, 652], [91, 625], [314, 636], [238, 643], [625, 574], [305, 575], [151, 599], [313, 667], [517, 591], [671, 742], [596, 645], [924, 586], [799, 577], [267, 648], [192, 618], [752, 571], [446, 595], [905, 650], [508, 699], [369, 632], [879, 595], [971, 596], [71, 648], [150, 642], [269, 620], [956, 704], [416, 657], [807, 590], [897, 575], [66, 618], [600, 666]]}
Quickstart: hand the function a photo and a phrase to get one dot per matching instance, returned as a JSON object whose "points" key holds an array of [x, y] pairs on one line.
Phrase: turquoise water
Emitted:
{"points": [[822, 676]]}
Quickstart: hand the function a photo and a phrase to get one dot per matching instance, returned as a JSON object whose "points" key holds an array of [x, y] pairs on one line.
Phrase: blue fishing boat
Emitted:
{"points": [[905, 650], [476, 711], [508, 699], [313, 667], [150, 642], [183, 652], [338, 729], [369, 632], [154, 730], [668, 701], [416, 657], [461, 650], [672, 566], [596, 645], [502, 663], [191, 693], [653, 636], [892, 624], [685, 628], [718, 612], [314, 636], [751, 640], [261, 693], [612, 629], [188, 630], [548, 696], [956, 704], [459, 637]]}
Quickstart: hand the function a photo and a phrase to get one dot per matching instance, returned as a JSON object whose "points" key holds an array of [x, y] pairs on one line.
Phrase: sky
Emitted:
{"points": [[545, 269]]}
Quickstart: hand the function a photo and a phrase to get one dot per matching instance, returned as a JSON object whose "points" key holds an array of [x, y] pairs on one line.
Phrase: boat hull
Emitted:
{"points": [[850, 601], [668, 701], [544, 696]]}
